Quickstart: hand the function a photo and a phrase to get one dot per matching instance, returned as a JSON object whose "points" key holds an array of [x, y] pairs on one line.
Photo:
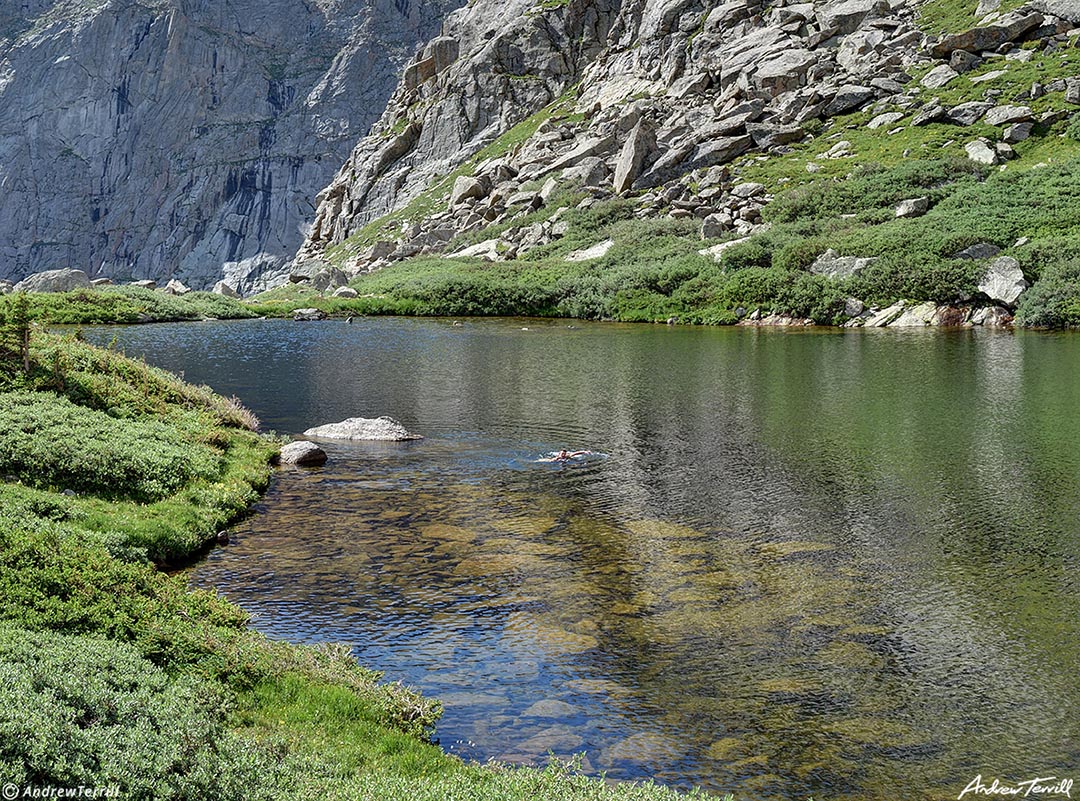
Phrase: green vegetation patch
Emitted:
{"points": [[46, 441], [129, 304]]}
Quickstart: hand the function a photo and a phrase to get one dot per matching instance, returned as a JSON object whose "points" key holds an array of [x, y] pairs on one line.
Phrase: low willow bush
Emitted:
{"points": [[85, 711], [47, 441], [128, 304]]}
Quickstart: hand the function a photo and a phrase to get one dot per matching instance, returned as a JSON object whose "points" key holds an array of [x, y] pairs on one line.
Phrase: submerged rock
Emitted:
{"points": [[302, 453], [379, 429]]}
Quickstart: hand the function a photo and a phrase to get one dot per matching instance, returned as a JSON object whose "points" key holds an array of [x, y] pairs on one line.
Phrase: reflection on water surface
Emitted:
{"points": [[839, 564]]}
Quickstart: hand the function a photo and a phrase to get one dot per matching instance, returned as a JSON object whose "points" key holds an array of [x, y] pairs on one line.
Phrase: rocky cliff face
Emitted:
{"points": [[186, 138], [661, 88], [658, 100]]}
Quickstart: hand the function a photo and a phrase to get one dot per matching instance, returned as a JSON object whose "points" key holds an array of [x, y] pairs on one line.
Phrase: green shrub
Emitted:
{"points": [[84, 711], [1054, 300], [48, 441]]}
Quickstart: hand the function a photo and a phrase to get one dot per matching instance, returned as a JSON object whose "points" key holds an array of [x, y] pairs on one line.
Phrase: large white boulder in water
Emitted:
{"points": [[379, 429]]}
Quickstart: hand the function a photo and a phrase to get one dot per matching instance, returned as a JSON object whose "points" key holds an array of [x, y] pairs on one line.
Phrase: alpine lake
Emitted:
{"points": [[803, 562]]}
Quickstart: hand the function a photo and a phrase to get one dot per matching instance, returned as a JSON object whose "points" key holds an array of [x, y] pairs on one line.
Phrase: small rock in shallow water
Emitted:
{"points": [[302, 453]]}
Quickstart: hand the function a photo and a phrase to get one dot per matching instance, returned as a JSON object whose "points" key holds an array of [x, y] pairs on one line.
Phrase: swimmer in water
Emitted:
{"points": [[565, 455]]}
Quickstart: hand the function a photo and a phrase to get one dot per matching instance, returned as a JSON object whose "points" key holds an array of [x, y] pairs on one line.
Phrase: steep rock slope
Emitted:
{"points": [[662, 87], [186, 138], [591, 145]]}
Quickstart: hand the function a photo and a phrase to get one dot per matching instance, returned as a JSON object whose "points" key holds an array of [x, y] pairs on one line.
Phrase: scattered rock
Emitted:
{"points": [[302, 453], [175, 287], [980, 250], [639, 147], [223, 289], [1003, 281], [1017, 132], [54, 281], [597, 251], [467, 188], [888, 118], [345, 292], [968, 113], [988, 37], [832, 265], [382, 429], [1007, 115], [309, 315], [939, 76], [981, 153], [915, 207]]}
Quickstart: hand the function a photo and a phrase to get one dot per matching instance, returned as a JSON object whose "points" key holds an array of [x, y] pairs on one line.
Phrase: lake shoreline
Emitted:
{"points": [[84, 590]]}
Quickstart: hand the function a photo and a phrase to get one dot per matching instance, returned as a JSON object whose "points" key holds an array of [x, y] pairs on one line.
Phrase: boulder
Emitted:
{"points": [[888, 118], [931, 112], [306, 270], [145, 284], [962, 61], [715, 226], [175, 287], [1007, 115], [600, 146], [980, 250], [1017, 132], [223, 289], [848, 97], [716, 252], [832, 265], [846, 16], [917, 316], [939, 76], [1066, 9], [1003, 281], [328, 279], [597, 251], [785, 72], [639, 147], [467, 188], [54, 281], [345, 292], [992, 317], [309, 315], [102, 282], [981, 153], [914, 207], [748, 190], [379, 429], [6, 287], [988, 37], [302, 453], [968, 113]]}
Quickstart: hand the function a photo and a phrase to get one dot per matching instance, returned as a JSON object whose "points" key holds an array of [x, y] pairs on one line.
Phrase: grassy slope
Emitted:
{"points": [[113, 673]]}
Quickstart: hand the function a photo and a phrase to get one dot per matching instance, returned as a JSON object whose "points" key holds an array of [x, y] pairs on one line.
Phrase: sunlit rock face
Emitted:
{"points": [[185, 138]]}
